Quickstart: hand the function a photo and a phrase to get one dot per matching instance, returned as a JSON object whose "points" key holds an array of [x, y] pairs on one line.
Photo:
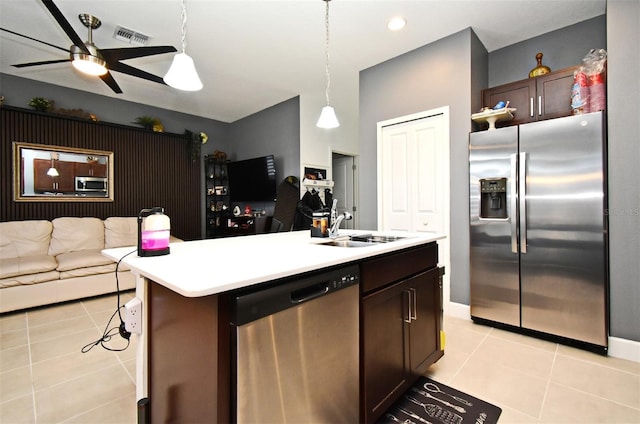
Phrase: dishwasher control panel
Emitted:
{"points": [[344, 281], [254, 303]]}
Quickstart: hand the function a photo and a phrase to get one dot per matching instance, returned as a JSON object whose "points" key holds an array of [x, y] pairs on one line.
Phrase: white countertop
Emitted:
{"points": [[205, 267]]}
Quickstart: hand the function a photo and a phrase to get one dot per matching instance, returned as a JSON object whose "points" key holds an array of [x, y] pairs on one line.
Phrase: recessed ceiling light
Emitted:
{"points": [[397, 23]]}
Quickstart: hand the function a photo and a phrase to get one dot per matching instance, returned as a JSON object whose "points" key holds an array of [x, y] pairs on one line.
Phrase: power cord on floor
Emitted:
{"points": [[108, 333]]}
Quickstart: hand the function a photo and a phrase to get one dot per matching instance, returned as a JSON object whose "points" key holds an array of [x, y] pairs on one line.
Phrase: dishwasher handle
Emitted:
{"points": [[307, 293]]}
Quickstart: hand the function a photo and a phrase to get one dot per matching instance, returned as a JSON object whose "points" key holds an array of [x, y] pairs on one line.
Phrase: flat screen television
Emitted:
{"points": [[252, 179]]}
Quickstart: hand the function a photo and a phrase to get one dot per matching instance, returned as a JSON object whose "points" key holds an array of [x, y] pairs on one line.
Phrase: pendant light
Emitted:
{"points": [[328, 117], [53, 172], [182, 74]]}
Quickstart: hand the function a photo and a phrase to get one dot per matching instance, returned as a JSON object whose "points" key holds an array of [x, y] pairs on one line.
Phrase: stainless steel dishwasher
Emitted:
{"points": [[296, 350]]}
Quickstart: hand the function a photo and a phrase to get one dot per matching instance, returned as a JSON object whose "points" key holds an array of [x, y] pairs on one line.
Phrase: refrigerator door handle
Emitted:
{"points": [[522, 194], [512, 204]]}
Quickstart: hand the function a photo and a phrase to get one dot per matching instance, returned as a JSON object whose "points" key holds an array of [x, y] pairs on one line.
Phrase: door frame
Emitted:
{"points": [[356, 194], [444, 245]]}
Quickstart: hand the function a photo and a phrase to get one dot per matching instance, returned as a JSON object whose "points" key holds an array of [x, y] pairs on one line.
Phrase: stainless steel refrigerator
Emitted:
{"points": [[539, 248]]}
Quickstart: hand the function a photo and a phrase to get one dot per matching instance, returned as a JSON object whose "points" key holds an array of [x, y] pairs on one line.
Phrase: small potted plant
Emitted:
{"points": [[146, 122], [40, 104]]}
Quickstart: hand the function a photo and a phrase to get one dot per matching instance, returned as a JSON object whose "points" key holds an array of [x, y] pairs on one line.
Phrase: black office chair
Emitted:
{"points": [[285, 208]]}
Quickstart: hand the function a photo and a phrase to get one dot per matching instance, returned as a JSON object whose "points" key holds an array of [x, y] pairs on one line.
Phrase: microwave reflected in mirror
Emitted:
{"points": [[63, 174]]}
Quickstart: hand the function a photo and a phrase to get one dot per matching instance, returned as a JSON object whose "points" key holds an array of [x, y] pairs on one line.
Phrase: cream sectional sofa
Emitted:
{"points": [[45, 262]]}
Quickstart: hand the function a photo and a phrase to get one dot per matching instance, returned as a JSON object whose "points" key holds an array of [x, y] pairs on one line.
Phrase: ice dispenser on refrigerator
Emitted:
{"points": [[493, 198]]}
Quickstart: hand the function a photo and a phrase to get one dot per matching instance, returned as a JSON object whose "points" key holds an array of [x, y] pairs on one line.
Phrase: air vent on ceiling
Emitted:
{"points": [[130, 36]]}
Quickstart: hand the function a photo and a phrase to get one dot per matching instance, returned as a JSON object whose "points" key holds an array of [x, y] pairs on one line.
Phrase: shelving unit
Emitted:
{"points": [[217, 194]]}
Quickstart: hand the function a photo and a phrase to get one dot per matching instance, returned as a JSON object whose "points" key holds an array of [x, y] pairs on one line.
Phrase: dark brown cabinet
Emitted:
{"points": [[401, 321], [91, 169], [544, 97], [63, 183]]}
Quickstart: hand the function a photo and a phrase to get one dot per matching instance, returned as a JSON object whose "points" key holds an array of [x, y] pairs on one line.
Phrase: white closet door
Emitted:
{"points": [[413, 187]]}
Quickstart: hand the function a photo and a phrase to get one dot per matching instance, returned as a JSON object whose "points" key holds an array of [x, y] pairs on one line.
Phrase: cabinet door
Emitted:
{"points": [[424, 330], [519, 94], [554, 94], [384, 330], [41, 181], [66, 180]]}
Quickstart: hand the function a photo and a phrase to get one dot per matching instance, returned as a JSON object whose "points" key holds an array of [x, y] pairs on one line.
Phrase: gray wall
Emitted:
{"points": [[561, 49], [275, 130], [432, 76], [623, 34], [272, 131]]}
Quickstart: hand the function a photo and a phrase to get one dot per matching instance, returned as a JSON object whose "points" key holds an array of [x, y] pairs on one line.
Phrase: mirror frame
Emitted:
{"points": [[19, 196]]}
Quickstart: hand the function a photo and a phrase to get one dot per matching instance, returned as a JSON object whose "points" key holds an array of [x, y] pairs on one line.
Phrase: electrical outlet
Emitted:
{"points": [[133, 316]]}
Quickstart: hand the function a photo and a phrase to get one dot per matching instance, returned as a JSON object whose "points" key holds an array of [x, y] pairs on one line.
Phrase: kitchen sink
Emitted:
{"points": [[361, 240]]}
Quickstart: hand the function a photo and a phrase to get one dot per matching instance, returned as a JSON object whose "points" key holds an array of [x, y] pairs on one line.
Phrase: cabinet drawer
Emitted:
{"points": [[379, 272]]}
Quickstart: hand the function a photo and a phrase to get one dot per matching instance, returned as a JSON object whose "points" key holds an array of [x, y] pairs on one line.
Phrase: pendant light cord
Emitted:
{"points": [[184, 27], [327, 73]]}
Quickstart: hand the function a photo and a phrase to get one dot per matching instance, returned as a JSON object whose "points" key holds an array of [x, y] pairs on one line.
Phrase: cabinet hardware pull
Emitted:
{"points": [[531, 106], [414, 304], [540, 105], [408, 310]]}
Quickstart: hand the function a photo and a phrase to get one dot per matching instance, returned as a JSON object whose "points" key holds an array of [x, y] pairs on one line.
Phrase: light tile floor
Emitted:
{"points": [[536, 381], [44, 377]]}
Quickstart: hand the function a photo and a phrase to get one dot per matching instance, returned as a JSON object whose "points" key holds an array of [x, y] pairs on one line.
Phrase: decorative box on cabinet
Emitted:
{"points": [[535, 99], [401, 317], [217, 195]]}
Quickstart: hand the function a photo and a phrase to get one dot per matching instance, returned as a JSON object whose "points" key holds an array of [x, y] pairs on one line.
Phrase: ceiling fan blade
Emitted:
{"points": [[108, 79], [65, 25], [44, 62], [130, 70], [34, 39], [114, 55]]}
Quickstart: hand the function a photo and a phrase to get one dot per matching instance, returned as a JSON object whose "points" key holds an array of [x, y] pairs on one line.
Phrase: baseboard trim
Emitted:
{"points": [[624, 349], [457, 310], [618, 347]]}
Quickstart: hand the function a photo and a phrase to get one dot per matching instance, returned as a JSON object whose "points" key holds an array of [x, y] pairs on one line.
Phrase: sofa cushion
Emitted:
{"points": [[26, 279], [81, 259], [11, 267], [120, 231], [88, 271], [24, 238], [74, 234]]}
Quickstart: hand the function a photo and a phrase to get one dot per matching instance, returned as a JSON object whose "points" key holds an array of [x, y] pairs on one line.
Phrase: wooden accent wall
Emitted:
{"points": [[150, 169]]}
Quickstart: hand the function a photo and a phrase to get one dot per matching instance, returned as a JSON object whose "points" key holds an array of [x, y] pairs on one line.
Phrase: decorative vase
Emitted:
{"points": [[540, 69]]}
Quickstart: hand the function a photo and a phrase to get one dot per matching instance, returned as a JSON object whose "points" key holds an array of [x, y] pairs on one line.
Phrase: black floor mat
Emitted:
{"points": [[428, 401]]}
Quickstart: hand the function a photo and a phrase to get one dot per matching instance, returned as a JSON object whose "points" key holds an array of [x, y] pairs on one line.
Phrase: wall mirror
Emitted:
{"points": [[61, 174]]}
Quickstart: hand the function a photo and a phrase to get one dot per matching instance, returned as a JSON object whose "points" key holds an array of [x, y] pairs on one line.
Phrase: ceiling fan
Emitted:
{"points": [[98, 61]]}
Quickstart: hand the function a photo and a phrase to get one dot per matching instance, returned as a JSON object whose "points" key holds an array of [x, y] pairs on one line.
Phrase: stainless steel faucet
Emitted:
{"points": [[337, 219]]}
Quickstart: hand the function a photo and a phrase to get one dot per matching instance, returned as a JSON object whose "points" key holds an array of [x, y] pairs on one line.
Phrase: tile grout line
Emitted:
{"points": [[546, 389], [33, 386], [471, 354]]}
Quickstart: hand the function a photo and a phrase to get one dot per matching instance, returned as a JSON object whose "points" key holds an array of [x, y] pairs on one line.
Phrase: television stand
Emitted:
{"points": [[245, 225]]}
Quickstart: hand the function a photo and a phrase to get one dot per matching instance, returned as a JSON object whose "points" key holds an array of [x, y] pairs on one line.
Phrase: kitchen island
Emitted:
{"points": [[185, 349]]}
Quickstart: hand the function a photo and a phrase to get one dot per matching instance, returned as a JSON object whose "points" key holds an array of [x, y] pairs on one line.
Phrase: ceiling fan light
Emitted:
{"points": [[328, 118], [88, 64], [182, 74]]}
